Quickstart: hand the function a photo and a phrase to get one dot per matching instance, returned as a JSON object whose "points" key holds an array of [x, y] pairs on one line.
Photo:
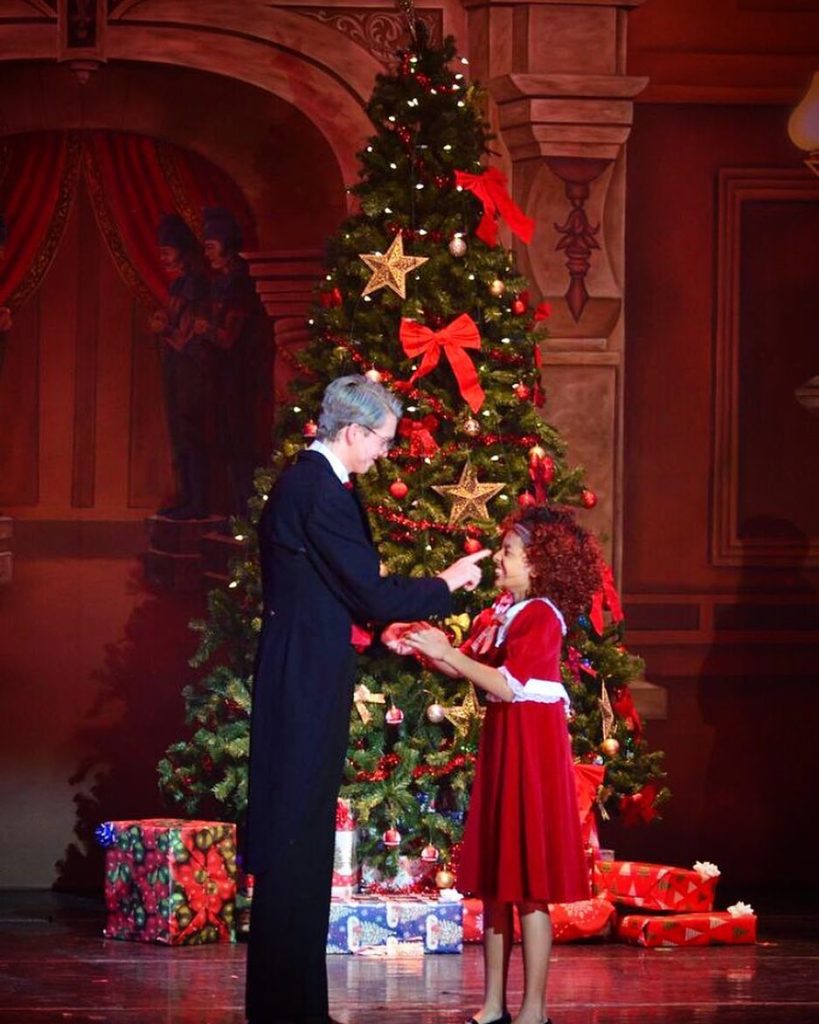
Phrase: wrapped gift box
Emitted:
{"points": [[653, 886], [345, 859], [170, 881], [585, 919], [714, 928], [363, 923]]}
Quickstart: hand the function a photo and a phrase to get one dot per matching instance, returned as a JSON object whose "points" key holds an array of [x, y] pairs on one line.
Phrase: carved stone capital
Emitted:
{"points": [[565, 115]]}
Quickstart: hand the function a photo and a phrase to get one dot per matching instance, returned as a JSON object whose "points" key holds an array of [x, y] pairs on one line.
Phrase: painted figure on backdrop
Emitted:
{"points": [[184, 365], [5, 312], [238, 332]]}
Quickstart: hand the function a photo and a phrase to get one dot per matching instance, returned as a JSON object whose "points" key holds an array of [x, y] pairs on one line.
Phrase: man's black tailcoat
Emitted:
{"points": [[320, 573]]}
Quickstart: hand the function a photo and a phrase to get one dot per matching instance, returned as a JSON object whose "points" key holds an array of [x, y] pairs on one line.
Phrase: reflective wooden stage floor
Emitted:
{"points": [[55, 967]]}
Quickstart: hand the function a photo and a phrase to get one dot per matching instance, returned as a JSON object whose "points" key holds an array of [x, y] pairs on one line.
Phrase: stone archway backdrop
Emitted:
{"points": [[560, 101], [275, 95]]}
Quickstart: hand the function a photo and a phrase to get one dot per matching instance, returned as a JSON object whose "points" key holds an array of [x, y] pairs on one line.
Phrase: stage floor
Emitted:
{"points": [[56, 967]]}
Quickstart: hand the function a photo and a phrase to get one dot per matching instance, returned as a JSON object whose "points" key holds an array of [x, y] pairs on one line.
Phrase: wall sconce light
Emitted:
{"points": [[803, 125]]}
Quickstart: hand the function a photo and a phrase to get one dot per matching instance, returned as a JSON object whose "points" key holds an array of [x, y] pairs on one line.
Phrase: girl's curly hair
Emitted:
{"points": [[564, 559]]}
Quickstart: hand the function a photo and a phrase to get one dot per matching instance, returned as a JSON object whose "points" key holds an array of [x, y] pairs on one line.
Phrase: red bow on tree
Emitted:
{"points": [[541, 473], [606, 597], [622, 704], [639, 806], [588, 778], [457, 336], [490, 188], [419, 432]]}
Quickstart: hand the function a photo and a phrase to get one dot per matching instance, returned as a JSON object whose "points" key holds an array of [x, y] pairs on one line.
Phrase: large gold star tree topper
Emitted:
{"points": [[391, 269], [468, 497]]}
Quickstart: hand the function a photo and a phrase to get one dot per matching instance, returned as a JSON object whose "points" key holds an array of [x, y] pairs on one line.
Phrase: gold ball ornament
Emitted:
{"points": [[435, 714], [610, 747], [457, 246], [497, 288], [471, 428], [373, 375], [444, 879]]}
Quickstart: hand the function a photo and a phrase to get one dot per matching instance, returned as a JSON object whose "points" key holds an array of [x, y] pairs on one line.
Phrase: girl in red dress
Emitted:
{"points": [[522, 844]]}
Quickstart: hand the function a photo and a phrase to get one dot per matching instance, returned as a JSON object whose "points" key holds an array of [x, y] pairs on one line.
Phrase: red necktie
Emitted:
{"points": [[348, 484]]}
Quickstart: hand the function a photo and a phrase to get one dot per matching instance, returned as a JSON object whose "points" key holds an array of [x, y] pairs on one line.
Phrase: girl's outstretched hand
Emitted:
{"points": [[427, 640]]}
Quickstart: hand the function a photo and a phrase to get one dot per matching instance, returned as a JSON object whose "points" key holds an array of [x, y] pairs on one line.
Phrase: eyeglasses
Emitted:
{"points": [[386, 442]]}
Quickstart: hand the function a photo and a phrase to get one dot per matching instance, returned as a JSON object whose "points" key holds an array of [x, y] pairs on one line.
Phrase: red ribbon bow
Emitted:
{"points": [[588, 778], [541, 473], [622, 703], [419, 432], [457, 336], [490, 188], [639, 807], [606, 597]]}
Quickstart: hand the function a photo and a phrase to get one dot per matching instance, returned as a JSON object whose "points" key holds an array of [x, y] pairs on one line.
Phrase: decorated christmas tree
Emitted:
{"points": [[420, 295]]}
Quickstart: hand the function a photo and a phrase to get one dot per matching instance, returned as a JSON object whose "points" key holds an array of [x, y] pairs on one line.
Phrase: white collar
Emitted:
{"points": [[517, 608], [336, 464]]}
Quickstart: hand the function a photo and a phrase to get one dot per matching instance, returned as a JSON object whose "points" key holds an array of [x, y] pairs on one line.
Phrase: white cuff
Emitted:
{"points": [[538, 691]]}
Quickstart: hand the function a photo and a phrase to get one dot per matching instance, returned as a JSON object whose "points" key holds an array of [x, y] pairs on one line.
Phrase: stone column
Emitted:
{"points": [[561, 104]]}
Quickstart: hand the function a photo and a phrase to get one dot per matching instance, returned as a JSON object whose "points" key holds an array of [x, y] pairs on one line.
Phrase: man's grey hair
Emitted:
{"points": [[355, 399]]}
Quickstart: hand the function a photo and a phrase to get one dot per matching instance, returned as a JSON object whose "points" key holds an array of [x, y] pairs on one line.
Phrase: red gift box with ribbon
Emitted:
{"points": [[706, 929], [171, 881], [654, 886], [584, 919]]}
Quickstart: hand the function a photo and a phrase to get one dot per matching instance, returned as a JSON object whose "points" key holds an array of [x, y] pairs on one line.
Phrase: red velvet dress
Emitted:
{"points": [[522, 840]]}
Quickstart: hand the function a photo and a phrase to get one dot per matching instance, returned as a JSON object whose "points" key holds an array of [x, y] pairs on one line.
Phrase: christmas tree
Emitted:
{"points": [[420, 295]]}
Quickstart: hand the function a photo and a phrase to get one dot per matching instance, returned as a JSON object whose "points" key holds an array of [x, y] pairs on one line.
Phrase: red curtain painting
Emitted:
{"points": [[132, 180]]}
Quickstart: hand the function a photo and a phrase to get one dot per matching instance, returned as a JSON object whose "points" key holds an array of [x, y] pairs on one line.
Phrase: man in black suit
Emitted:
{"points": [[320, 575]]}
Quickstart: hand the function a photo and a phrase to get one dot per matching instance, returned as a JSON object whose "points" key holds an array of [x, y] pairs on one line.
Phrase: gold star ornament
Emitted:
{"points": [[464, 715], [468, 497], [391, 269]]}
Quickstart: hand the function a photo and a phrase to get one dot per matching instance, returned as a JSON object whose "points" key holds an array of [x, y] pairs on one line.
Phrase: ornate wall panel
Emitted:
{"points": [[766, 445]]}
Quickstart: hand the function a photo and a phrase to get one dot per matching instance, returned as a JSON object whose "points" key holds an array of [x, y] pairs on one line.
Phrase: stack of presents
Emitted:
{"points": [[175, 882]]}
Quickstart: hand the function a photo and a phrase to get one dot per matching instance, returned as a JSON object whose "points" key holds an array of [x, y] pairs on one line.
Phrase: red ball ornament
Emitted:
{"points": [[309, 429], [394, 716], [523, 391], [527, 500], [398, 489], [518, 307], [392, 837], [430, 854], [588, 499], [472, 545]]}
